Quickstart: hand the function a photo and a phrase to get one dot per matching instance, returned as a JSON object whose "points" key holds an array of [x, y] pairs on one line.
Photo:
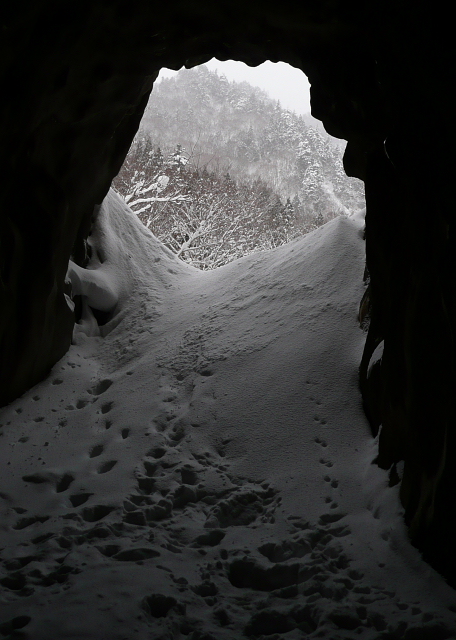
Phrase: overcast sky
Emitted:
{"points": [[280, 80]]}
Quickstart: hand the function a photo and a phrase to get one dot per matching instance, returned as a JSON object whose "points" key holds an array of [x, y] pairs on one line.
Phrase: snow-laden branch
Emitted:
{"points": [[177, 198]]}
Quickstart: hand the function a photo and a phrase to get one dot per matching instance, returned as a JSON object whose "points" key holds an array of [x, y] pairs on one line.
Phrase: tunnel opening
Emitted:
{"points": [[227, 165]]}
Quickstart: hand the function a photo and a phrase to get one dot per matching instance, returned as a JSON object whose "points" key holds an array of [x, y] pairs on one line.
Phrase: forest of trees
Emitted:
{"points": [[219, 170]]}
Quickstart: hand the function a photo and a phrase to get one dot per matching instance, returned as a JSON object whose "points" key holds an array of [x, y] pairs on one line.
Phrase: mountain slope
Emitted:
{"points": [[218, 171], [235, 127]]}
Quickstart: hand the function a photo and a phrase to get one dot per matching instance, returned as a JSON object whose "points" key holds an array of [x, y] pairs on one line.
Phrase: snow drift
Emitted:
{"points": [[200, 466]]}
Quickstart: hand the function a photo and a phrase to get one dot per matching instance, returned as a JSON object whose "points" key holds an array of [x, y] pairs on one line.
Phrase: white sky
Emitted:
{"points": [[280, 80]]}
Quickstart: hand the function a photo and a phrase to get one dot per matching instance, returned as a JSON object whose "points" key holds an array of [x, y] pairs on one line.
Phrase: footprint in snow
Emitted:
{"points": [[107, 466], [326, 463], [100, 388], [106, 407], [61, 482], [96, 451]]}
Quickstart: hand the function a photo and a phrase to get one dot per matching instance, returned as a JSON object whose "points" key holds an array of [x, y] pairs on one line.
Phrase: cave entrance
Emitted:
{"points": [[79, 79], [229, 161]]}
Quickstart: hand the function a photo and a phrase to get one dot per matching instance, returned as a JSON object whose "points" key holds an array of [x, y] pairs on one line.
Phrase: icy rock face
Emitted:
{"points": [[95, 286], [125, 258], [96, 291], [77, 81]]}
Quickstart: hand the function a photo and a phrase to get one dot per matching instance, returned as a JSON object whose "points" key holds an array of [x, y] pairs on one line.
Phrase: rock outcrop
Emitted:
{"points": [[76, 80]]}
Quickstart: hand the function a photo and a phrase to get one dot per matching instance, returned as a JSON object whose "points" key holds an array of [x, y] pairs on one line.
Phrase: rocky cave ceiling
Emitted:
{"points": [[76, 79]]}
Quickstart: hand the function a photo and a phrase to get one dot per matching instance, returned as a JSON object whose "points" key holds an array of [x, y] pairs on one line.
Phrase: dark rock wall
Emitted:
{"points": [[76, 78], [410, 229]]}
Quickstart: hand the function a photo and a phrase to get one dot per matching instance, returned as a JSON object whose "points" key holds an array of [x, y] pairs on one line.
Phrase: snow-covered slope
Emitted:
{"points": [[200, 466]]}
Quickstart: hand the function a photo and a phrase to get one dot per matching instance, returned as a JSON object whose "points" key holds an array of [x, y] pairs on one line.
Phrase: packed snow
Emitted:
{"points": [[200, 467]]}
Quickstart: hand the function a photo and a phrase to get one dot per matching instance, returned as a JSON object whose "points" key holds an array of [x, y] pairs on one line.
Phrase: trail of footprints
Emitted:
{"points": [[62, 483], [44, 566], [333, 482], [292, 586]]}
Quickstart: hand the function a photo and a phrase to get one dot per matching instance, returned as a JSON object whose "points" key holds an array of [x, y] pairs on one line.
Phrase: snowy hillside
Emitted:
{"points": [[236, 127], [266, 174], [199, 467]]}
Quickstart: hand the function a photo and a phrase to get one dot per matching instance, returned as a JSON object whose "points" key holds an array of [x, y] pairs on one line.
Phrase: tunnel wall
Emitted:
{"points": [[77, 79]]}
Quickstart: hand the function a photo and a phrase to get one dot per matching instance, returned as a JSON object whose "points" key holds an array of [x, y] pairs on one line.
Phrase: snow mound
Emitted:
{"points": [[200, 466]]}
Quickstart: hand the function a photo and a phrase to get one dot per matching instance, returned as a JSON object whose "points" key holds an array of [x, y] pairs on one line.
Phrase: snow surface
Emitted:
{"points": [[200, 466]]}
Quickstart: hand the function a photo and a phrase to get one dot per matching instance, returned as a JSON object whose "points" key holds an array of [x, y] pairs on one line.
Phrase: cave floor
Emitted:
{"points": [[200, 467]]}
